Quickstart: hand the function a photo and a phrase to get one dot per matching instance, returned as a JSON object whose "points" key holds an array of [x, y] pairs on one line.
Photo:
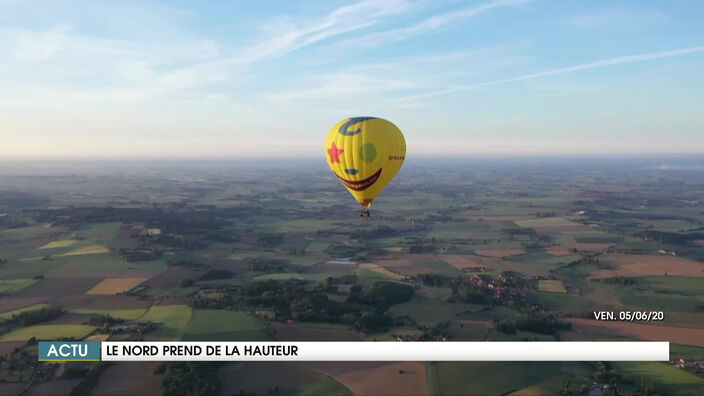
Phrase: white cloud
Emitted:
{"points": [[57, 62], [83, 67], [60, 43], [619, 19], [590, 65], [341, 20], [31, 46], [429, 24], [343, 86], [373, 80]]}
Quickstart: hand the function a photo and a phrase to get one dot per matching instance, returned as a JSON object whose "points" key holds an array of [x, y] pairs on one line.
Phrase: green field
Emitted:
{"points": [[546, 222], [440, 266], [173, 320], [667, 379], [551, 286], [680, 284], [83, 265], [561, 302], [305, 225], [468, 229], [639, 246], [16, 375], [97, 265], [299, 244], [498, 378], [8, 315], [543, 258], [48, 332], [688, 351], [429, 312], [280, 276], [538, 263], [317, 247], [127, 314], [493, 244], [30, 232], [14, 285], [100, 233], [273, 378], [579, 270], [221, 325], [27, 269], [670, 225], [323, 325], [596, 237], [305, 260], [660, 301]]}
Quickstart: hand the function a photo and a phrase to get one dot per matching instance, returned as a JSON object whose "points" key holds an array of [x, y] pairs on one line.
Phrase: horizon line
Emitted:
{"points": [[453, 156]]}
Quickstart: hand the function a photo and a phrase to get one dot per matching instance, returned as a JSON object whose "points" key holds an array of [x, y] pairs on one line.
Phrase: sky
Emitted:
{"points": [[268, 79]]}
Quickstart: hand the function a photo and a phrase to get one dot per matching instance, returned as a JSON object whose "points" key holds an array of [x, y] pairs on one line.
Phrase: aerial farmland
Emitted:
{"points": [[473, 254]]}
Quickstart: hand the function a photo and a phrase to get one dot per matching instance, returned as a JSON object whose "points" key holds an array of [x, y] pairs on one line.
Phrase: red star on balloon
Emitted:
{"points": [[334, 153]]}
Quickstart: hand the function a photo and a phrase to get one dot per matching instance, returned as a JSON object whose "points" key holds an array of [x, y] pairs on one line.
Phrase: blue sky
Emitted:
{"points": [[238, 79]]}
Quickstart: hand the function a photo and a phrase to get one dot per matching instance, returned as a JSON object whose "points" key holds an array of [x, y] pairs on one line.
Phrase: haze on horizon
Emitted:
{"points": [[260, 80]]}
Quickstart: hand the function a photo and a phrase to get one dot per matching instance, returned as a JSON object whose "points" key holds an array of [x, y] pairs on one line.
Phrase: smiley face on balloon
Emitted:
{"points": [[365, 153]]}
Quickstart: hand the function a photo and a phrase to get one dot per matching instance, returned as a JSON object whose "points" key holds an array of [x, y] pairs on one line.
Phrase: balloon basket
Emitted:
{"points": [[364, 213]]}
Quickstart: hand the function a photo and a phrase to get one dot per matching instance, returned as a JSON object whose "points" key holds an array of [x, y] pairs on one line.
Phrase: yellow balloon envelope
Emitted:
{"points": [[365, 153]]}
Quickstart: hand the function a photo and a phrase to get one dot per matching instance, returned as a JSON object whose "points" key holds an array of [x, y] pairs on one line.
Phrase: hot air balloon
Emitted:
{"points": [[365, 153]]}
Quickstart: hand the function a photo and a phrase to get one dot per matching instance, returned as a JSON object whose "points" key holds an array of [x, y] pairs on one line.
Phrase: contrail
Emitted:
{"points": [[591, 65]]}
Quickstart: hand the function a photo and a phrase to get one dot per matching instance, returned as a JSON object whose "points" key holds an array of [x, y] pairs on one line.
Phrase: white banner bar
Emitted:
{"points": [[387, 351]]}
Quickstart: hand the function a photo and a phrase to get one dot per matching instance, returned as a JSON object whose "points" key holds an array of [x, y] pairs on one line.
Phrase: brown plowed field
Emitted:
{"points": [[677, 335], [11, 388], [52, 287], [630, 265], [12, 303], [55, 387], [172, 277], [176, 301], [405, 266], [6, 347], [102, 302], [467, 260], [129, 378]]}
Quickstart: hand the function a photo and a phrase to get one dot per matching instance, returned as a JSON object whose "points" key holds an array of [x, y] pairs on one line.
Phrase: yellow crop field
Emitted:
{"points": [[115, 285], [59, 244], [381, 270], [551, 286], [91, 249], [98, 337]]}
